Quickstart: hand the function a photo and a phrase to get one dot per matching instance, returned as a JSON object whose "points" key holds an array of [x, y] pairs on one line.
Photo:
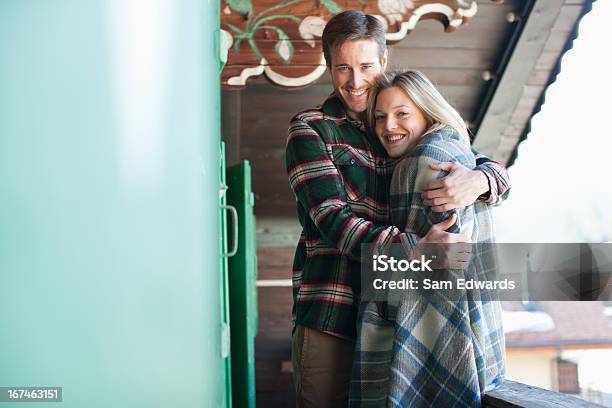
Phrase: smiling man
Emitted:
{"points": [[341, 177], [355, 67]]}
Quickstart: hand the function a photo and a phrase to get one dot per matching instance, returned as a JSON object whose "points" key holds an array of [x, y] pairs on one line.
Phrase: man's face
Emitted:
{"points": [[354, 67]]}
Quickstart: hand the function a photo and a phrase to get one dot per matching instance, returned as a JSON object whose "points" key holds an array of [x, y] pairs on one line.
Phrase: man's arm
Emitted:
{"points": [[489, 181], [317, 184], [497, 178]]}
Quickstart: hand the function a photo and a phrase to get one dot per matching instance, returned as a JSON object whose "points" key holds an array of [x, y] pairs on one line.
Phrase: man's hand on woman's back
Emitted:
{"points": [[446, 250], [460, 188]]}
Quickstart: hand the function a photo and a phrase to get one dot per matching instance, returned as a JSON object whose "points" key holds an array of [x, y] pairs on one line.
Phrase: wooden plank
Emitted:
{"points": [[287, 70], [271, 208], [273, 347], [230, 126], [539, 77], [273, 185], [467, 39], [276, 256], [484, 31], [567, 17], [548, 59], [527, 103], [257, 133], [532, 91], [271, 168], [304, 54], [290, 104], [486, 10], [266, 144], [520, 65], [439, 76], [275, 272], [265, 124], [280, 32], [273, 98], [271, 182], [263, 135], [278, 100], [516, 395], [556, 41], [257, 153], [521, 115], [276, 182], [280, 236], [268, 193], [464, 58]]}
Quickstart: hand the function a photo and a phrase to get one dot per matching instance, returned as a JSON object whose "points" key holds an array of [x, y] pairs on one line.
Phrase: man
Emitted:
{"points": [[340, 176]]}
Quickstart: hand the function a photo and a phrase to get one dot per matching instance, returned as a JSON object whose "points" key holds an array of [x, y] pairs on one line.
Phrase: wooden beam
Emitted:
{"points": [[516, 395], [274, 38], [510, 87], [230, 125]]}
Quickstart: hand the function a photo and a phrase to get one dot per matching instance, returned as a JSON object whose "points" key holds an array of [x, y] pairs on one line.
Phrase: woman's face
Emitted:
{"points": [[399, 123]]}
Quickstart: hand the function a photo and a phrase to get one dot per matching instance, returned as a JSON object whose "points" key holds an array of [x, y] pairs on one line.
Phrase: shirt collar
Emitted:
{"points": [[333, 106]]}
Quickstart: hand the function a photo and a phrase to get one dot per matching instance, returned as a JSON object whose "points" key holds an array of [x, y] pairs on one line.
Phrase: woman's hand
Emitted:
{"points": [[460, 188]]}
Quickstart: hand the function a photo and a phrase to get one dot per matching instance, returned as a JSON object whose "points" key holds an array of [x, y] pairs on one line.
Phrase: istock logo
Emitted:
{"points": [[383, 263]]}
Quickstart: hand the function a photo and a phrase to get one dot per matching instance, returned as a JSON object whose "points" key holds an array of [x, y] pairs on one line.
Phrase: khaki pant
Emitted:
{"points": [[322, 366]]}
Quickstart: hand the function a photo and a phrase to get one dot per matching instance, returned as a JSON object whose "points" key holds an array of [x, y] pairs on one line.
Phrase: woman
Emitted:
{"points": [[436, 349]]}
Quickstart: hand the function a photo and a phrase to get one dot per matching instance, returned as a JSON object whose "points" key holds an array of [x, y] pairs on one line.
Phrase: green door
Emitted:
{"points": [[242, 282], [226, 252], [110, 285]]}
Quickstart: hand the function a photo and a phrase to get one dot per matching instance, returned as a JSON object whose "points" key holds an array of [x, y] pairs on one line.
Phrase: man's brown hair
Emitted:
{"points": [[352, 25]]}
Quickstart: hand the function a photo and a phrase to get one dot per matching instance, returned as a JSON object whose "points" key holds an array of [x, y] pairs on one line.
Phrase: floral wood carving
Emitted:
{"points": [[283, 39]]}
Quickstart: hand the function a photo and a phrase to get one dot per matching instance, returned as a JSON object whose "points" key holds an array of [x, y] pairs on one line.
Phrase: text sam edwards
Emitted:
{"points": [[461, 284]]}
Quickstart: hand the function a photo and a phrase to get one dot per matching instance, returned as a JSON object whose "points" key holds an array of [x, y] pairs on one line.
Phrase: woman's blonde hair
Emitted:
{"points": [[437, 111]]}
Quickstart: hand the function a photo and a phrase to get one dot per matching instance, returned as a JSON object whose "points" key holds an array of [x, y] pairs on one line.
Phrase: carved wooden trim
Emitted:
{"points": [[283, 39]]}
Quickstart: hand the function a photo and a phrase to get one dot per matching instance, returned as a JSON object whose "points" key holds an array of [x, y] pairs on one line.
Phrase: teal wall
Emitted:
{"points": [[109, 250]]}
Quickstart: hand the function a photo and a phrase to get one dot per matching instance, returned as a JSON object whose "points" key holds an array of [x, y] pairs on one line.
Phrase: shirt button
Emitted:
{"points": [[352, 161]]}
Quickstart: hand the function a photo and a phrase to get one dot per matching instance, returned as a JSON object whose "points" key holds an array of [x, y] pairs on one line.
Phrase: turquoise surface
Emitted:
{"points": [[109, 178]]}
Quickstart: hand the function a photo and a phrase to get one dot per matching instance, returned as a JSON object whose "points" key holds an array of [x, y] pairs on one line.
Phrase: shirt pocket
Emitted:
{"points": [[353, 168]]}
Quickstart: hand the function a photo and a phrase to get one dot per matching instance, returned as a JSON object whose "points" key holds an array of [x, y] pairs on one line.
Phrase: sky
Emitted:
{"points": [[561, 191]]}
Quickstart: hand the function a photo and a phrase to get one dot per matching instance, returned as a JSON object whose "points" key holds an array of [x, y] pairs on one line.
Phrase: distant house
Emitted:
{"points": [[538, 334]]}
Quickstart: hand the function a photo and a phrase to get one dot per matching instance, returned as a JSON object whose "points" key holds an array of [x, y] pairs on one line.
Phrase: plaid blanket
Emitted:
{"points": [[436, 348]]}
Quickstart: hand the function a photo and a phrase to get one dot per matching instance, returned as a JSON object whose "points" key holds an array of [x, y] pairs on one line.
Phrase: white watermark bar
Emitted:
{"points": [[30, 394]]}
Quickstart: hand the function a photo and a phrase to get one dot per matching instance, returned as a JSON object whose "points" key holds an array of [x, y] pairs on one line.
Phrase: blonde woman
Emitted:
{"points": [[430, 350]]}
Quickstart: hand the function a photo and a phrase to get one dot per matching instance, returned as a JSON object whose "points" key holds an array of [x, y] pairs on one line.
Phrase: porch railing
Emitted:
{"points": [[517, 395]]}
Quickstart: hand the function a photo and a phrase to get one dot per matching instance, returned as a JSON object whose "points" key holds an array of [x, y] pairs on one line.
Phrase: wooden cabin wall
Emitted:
{"points": [[454, 61], [273, 376], [255, 118], [254, 126]]}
